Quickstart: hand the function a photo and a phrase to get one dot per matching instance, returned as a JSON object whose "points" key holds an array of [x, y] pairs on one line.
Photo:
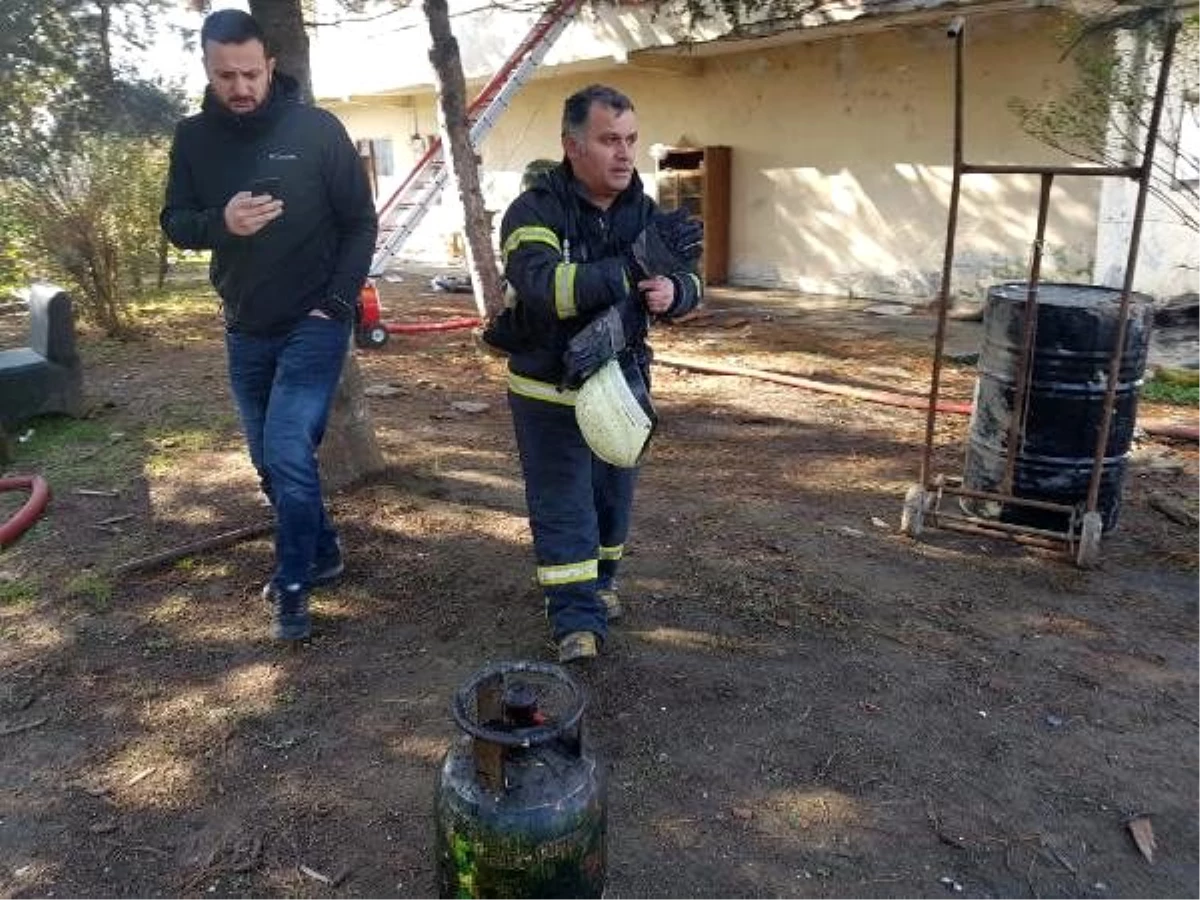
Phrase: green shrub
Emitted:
{"points": [[1168, 392], [91, 223]]}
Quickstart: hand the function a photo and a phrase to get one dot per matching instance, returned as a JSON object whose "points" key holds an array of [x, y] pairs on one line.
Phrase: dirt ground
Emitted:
{"points": [[801, 701]]}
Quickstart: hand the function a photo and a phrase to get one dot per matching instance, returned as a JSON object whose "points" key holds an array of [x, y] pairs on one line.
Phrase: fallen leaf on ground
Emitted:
{"points": [[140, 776], [1143, 836], [381, 390], [313, 873]]}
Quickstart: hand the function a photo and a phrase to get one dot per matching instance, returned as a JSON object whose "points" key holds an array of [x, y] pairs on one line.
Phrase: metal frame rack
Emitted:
{"points": [[923, 502]]}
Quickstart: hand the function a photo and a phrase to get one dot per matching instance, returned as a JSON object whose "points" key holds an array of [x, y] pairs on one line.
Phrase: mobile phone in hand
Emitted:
{"points": [[260, 186]]}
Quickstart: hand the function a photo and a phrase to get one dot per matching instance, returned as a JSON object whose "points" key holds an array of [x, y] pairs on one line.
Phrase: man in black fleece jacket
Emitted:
{"points": [[275, 189]]}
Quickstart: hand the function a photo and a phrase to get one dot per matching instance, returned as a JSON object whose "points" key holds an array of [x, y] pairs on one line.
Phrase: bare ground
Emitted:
{"points": [[801, 701]]}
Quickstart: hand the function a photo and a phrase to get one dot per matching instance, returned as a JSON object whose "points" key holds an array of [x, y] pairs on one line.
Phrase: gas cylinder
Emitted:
{"points": [[520, 808]]}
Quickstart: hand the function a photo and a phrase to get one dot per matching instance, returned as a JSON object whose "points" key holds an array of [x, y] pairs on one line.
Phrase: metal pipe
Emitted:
{"points": [[1135, 236], [1045, 505], [955, 523], [955, 31], [1024, 373]]}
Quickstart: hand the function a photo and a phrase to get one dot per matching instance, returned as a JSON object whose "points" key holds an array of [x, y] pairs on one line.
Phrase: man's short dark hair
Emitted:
{"points": [[231, 26], [579, 104]]}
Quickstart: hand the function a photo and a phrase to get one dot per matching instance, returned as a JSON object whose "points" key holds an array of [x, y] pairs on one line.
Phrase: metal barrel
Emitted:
{"points": [[1075, 334]]}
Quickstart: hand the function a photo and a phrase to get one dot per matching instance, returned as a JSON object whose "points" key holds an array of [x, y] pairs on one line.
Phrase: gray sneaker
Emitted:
{"points": [[326, 571], [290, 620], [329, 569]]}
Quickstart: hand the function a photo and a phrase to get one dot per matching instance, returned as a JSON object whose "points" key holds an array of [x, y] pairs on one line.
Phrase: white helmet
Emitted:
{"points": [[616, 416]]}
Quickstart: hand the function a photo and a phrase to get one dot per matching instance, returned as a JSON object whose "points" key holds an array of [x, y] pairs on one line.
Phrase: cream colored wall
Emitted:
{"points": [[1168, 261], [399, 118], [841, 155]]}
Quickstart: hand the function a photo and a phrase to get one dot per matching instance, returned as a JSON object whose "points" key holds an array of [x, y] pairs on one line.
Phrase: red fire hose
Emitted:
{"points": [[889, 398], [1163, 428], [1150, 426], [423, 327], [23, 518]]}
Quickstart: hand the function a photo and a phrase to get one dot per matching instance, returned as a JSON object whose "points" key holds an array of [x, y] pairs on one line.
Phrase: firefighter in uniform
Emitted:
{"points": [[579, 246]]}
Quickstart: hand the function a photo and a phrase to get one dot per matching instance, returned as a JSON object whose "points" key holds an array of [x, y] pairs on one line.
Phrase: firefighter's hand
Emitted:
{"points": [[246, 214], [659, 293]]}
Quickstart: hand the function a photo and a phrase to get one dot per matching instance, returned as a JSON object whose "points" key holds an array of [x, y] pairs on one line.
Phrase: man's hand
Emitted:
{"points": [[246, 214], [659, 293]]}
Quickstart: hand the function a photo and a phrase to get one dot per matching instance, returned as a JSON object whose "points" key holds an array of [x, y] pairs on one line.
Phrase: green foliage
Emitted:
{"points": [[742, 17], [1103, 115], [15, 242], [95, 590], [1172, 393], [1077, 120], [92, 223], [17, 593], [59, 79]]}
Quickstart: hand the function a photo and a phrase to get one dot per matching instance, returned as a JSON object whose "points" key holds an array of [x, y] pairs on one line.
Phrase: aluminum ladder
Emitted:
{"points": [[404, 210]]}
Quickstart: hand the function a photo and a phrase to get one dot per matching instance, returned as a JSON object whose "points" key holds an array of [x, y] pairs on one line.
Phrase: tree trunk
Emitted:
{"points": [[283, 23], [350, 451], [164, 259], [456, 145]]}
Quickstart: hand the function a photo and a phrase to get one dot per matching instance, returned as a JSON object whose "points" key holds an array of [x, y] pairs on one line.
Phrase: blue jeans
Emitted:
{"points": [[284, 386], [579, 511]]}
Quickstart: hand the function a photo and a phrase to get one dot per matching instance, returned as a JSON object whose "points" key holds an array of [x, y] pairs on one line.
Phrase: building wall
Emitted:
{"points": [[841, 154], [1168, 261]]}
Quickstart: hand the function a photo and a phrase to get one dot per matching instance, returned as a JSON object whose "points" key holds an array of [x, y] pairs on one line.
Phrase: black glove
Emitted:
{"points": [[595, 344], [670, 243], [503, 332], [683, 234]]}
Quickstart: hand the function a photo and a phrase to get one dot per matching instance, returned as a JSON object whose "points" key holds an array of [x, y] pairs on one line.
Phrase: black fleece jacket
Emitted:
{"points": [[315, 255]]}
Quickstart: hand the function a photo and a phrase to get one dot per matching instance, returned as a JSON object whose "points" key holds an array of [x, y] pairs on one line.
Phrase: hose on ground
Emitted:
{"points": [[30, 512], [1157, 427], [425, 327]]}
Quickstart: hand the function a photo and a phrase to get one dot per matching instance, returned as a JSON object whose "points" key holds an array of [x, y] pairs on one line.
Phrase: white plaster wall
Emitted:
{"points": [[841, 155], [1168, 253], [398, 118], [389, 49]]}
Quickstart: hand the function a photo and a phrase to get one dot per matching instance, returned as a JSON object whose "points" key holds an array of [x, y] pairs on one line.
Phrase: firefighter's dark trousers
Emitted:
{"points": [[579, 508]]}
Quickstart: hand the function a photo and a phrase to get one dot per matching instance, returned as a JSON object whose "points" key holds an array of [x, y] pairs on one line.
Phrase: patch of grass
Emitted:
{"points": [[73, 453], [157, 646], [170, 609], [186, 299], [95, 590], [1173, 394], [78, 452], [167, 446], [17, 593]]}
